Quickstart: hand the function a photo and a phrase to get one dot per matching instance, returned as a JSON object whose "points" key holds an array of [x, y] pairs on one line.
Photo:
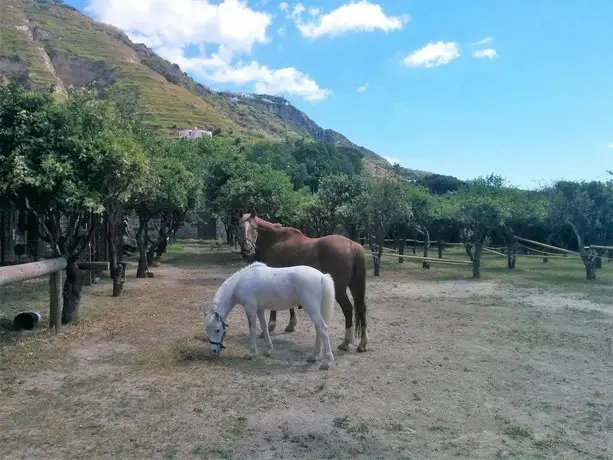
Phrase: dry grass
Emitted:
{"points": [[456, 368]]}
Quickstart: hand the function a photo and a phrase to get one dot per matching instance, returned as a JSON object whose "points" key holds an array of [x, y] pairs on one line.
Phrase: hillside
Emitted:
{"points": [[49, 43]]}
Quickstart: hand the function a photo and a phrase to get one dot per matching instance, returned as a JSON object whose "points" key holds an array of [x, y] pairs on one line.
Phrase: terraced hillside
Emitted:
{"points": [[49, 43]]}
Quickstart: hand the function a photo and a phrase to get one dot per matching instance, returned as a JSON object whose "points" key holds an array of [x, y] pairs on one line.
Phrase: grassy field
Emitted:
{"points": [[515, 365]]}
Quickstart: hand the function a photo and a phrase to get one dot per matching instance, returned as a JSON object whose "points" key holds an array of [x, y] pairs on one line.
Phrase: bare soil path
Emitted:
{"points": [[455, 369]]}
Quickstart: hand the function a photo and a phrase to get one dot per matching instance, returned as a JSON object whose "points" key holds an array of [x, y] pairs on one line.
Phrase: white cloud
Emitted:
{"points": [[281, 31], [360, 16], [488, 53], [434, 54], [610, 145], [484, 41], [170, 26], [283, 6], [178, 23], [296, 13], [287, 80], [362, 88]]}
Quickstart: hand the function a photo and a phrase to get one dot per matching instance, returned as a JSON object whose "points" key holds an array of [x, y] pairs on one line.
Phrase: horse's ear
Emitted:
{"points": [[253, 213]]}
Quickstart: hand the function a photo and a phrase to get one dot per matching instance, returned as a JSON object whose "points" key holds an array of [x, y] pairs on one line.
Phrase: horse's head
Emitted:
{"points": [[248, 235], [215, 330]]}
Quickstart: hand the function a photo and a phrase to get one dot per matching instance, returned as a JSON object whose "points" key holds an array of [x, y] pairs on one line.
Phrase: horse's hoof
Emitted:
{"points": [[324, 366], [361, 349], [262, 335], [267, 353], [343, 347], [271, 326], [249, 356], [311, 358], [290, 328]]}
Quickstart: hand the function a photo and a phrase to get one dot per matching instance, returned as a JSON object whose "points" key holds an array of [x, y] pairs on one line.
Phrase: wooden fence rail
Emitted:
{"points": [[52, 267]]}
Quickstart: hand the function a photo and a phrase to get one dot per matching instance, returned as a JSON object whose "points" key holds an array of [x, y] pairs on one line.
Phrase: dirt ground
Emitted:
{"points": [[497, 368]]}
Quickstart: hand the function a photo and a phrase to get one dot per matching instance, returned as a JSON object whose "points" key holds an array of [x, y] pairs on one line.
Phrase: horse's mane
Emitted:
{"points": [[265, 225], [229, 282]]}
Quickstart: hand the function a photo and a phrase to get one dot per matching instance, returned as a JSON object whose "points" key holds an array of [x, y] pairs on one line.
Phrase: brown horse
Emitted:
{"points": [[341, 257]]}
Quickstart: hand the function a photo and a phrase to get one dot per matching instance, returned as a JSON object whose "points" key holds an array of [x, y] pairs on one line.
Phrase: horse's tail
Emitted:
{"points": [[357, 285], [328, 297]]}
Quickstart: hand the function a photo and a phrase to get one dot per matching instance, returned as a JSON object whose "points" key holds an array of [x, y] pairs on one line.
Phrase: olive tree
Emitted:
{"points": [[587, 208], [383, 203], [424, 206], [527, 211], [479, 208]]}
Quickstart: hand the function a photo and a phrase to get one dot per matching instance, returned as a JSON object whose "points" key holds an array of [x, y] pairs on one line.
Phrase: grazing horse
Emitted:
{"points": [[337, 255], [258, 287]]}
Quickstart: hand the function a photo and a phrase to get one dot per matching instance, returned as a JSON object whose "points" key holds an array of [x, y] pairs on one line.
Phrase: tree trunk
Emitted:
{"points": [[426, 264], [414, 246], [2, 234], [117, 268], [377, 249], [590, 266], [119, 279], [477, 259], [141, 239], [377, 261], [401, 251], [161, 247], [8, 239], [354, 234], [72, 292], [441, 247], [468, 247], [511, 253], [609, 255], [229, 236], [150, 255]]}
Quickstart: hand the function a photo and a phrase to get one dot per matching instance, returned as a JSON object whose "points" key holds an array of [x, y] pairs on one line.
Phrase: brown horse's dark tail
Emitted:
{"points": [[358, 289]]}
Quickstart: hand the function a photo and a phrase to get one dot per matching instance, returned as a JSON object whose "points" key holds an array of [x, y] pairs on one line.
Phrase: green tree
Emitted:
{"points": [[234, 185], [527, 211], [479, 208], [333, 201], [587, 208], [383, 203], [173, 189], [306, 162], [63, 163], [425, 210]]}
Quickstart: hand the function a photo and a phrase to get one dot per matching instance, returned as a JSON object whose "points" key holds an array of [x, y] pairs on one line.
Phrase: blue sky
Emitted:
{"points": [[535, 104]]}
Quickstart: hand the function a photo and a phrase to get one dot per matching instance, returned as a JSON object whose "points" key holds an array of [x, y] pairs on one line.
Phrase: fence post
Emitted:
{"points": [[55, 300]]}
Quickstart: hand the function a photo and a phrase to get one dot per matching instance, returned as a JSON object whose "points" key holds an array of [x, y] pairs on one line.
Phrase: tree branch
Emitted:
{"points": [[41, 223]]}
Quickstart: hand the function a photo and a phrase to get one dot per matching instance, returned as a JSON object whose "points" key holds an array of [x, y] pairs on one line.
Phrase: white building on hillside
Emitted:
{"points": [[194, 133]]}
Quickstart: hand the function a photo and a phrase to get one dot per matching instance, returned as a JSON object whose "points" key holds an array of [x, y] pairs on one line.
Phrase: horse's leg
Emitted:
{"points": [[292, 321], [343, 300], [272, 320], [322, 338], [316, 353], [262, 318], [357, 288], [262, 335], [252, 320], [328, 356]]}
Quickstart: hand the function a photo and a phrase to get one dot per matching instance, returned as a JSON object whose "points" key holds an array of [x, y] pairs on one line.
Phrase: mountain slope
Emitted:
{"points": [[49, 43]]}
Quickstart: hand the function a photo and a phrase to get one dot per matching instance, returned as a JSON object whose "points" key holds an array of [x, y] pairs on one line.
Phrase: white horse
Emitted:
{"points": [[258, 288]]}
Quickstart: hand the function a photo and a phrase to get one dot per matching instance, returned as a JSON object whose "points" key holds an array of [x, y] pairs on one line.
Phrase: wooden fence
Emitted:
{"points": [[50, 267]]}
